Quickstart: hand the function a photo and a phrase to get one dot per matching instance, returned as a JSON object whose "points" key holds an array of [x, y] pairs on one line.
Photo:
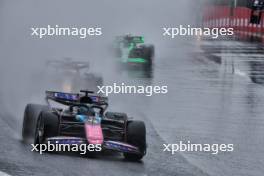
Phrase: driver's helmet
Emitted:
{"points": [[82, 110]]}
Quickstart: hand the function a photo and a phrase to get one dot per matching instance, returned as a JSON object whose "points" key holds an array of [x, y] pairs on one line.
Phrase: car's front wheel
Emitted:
{"points": [[47, 126], [31, 114]]}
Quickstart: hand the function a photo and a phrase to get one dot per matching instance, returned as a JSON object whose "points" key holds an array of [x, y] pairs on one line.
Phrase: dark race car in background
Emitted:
{"points": [[84, 120], [72, 76]]}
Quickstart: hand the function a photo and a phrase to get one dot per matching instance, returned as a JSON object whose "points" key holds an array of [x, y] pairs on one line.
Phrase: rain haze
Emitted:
{"points": [[208, 101]]}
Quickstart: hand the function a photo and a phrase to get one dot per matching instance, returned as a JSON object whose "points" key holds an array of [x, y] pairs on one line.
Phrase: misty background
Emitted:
{"points": [[206, 103], [23, 57]]}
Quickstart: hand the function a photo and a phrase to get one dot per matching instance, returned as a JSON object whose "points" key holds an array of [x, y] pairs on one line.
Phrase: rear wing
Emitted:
{"points": [[62, 98], [68, 64], [75, 98], [138, 39], [130, 39]]}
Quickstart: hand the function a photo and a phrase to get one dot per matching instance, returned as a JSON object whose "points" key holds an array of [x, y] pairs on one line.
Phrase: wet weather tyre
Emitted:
{"points": [[136, 135], [151, 51], [148, 55], [47, 126], [31, 114]]}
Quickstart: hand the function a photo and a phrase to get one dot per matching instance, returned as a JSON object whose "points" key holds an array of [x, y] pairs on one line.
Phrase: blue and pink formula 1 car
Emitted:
{"points": [[84, 120]]}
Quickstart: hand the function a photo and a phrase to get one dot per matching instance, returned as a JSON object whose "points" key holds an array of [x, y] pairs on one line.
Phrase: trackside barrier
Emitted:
{"points": [[238, 18]]}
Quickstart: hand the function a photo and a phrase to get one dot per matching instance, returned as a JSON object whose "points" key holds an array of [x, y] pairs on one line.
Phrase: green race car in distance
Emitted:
{"points": [[132, 50]]}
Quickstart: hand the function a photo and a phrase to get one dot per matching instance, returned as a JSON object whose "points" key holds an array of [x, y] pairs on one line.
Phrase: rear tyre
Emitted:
{"points": [[31, 114], [148, 55], [136, 136]]}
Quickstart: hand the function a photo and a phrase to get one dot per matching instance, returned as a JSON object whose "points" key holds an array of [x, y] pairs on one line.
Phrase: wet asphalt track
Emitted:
{"points": [[208, 102], [17, 159], [215, 96], [21, 51]]}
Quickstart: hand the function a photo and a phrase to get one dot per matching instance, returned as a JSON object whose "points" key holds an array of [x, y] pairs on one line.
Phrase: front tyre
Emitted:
{"points": [[31, 114], [47, 126], [136, 136]]}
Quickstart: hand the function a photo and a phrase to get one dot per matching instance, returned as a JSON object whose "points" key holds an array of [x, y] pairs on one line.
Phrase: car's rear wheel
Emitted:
{"points": [[31, 114], [136, 136], [148, 56]]}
